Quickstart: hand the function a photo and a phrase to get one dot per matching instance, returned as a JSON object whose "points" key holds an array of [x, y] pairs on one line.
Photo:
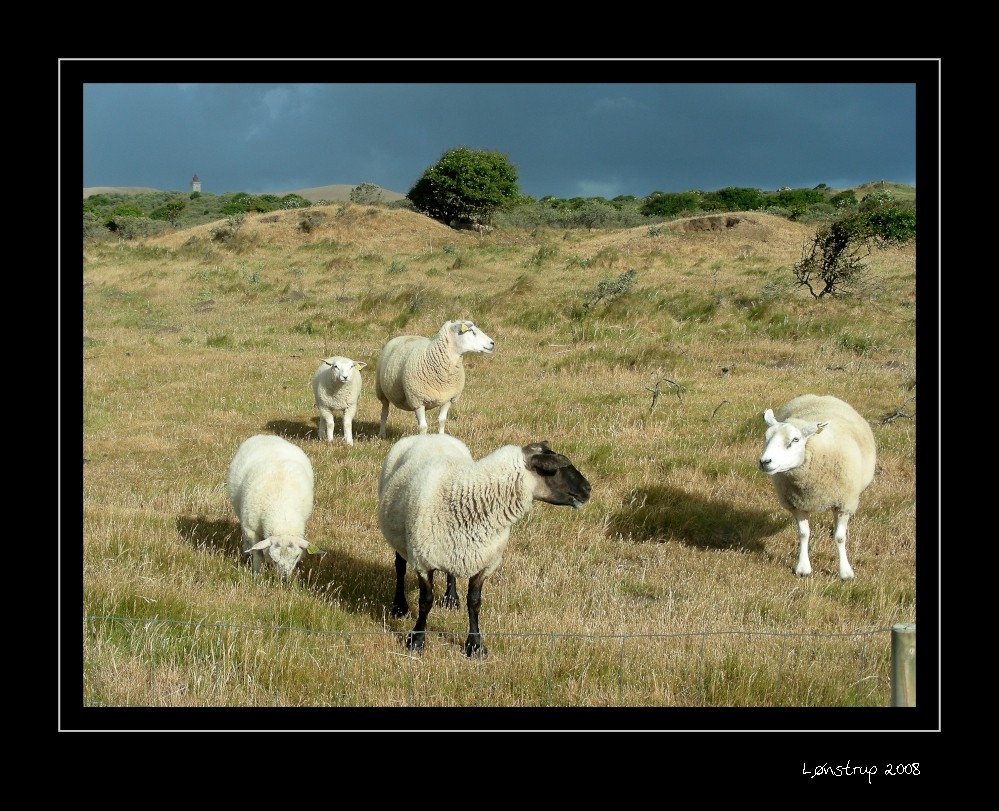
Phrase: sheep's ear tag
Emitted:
{"points": [[463, 328], [820, 427], [312, 549]]}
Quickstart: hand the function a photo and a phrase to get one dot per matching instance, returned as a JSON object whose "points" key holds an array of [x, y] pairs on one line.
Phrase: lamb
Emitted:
{"points": [[336, 386], [416, 373], [270, 484], [820, 455], [442, 511]]}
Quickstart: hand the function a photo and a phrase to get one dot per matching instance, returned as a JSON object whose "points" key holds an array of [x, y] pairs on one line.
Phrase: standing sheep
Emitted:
{"points": [[441, 510], [820, 455], [270, 484], [416, 373], [336, 386]]}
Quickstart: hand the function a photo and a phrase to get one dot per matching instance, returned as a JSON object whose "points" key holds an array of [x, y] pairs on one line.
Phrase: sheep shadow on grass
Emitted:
{"points": [[363, 430], [669, 513], [357, 585], [220, 535]]}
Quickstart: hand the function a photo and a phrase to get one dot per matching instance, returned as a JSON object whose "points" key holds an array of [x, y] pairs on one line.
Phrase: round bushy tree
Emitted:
{"points": [[466, 185]]}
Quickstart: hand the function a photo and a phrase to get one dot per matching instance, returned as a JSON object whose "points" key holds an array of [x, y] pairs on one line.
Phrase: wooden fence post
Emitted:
{"points": [[903, 664]]}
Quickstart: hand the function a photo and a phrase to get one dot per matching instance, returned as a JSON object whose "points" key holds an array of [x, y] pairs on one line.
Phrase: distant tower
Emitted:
{"points": [[195, 184]]}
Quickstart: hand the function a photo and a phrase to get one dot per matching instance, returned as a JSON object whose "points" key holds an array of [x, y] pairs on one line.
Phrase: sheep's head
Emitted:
{"points": [[284, 552], [342, 369], [784, 443], [469, 338], [556, 479]]}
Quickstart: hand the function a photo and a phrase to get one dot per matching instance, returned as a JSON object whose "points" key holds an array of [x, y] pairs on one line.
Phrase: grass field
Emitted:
{"points": [[671, 591]]}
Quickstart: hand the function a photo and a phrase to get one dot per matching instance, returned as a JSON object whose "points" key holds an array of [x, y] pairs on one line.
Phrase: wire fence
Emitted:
{"points": [[872, 667]]}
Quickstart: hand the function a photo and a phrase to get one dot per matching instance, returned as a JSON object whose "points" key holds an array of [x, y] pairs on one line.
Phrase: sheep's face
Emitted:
{"points": [[342, 369], [284, 551], [556, 480], [469, 338], [784, 444]]}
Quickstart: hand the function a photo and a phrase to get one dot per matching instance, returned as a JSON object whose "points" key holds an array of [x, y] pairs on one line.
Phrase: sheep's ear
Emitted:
{"points": [[328, 363], [360, 364], [262, 545], [769, 417], [538, 447], [813, 428]]}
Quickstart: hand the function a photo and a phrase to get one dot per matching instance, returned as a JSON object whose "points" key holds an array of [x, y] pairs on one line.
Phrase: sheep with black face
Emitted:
{"points": [[441, 510]]}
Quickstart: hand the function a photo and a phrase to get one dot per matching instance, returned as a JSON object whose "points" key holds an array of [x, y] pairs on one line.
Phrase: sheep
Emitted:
{"points": [[270, 484], [416, 373], [820, 455], [442, 511], [336, 386]]}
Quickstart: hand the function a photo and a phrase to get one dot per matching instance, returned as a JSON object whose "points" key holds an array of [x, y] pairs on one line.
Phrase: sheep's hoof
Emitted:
{"points": [[399, 610], [414, 642], [449, 601]]}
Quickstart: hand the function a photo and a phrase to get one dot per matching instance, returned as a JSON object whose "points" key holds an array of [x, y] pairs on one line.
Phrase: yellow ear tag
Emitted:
{"points": [[463, 328], [312, 549]]}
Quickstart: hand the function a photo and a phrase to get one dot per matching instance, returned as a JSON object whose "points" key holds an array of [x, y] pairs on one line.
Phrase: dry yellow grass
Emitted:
{"points": [[671, 589]]}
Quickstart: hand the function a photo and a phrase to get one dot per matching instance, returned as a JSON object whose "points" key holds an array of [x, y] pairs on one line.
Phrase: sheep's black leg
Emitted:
{"points": [[415, 638], [450, 597], [473, 645], [400, 607]]}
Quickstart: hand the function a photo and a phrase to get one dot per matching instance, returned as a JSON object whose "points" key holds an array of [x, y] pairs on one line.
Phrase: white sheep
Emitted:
{"points": [[416, 373], [820, 455], [336, 386], [270, 484], [442, 511]]}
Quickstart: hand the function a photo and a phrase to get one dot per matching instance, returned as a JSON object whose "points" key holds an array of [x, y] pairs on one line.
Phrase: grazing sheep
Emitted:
{"points": [[416, 373], [441, 510], [270, 484], [336, 386], [820, 455]]}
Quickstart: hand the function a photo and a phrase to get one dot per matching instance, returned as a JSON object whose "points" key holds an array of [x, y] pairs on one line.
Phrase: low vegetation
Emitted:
{"points": [[647, 355]]}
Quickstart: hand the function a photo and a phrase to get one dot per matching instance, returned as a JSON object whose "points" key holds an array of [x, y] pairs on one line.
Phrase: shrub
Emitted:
{"points": [[610, 289], [833, 263], [366, 193], [226, 231]]}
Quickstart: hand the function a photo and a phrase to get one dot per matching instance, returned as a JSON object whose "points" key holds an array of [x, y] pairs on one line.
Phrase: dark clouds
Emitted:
{"points": [[566, 139]]}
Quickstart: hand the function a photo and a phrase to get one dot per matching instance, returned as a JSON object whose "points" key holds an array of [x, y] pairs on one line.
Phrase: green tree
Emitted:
{"points": [[366, 194], [733, 198], [127, 210], [845, 199], [833, 263], [170, 211], [888, 221], [292, 201], [670, 204], [466, 185]]}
